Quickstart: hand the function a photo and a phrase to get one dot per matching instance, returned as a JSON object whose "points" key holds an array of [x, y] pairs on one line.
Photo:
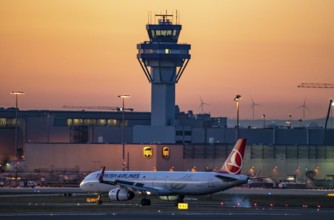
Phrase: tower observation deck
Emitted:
{"points": [[163, 61]]}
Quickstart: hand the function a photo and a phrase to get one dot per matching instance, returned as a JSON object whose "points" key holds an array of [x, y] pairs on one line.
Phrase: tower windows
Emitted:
{"points": [[164, 35]]}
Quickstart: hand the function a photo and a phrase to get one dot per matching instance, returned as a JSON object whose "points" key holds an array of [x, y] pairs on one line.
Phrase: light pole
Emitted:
{"points": [[328, 113], [264, 120], [237, 99], [16, 93], [290, 121], [123, 97]]}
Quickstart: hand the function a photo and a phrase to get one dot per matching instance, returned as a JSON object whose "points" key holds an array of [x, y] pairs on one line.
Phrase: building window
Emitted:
{"points": [[89, 121], [102, 122], [69, 122], [112, 122], [179, 133], [3, 122], [7, 122], [92, 122], [187, 133]]}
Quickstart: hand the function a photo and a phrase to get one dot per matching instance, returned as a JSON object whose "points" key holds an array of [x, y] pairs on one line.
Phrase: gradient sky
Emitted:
{"points": [[83, 52]]}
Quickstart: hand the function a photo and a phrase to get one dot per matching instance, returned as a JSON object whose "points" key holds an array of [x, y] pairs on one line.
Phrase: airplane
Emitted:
{"points": [[175, 185]]}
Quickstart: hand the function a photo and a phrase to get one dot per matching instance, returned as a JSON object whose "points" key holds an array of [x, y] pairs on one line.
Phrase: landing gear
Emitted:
{"points": [[145, 202], [99, 200], [180, 199]]}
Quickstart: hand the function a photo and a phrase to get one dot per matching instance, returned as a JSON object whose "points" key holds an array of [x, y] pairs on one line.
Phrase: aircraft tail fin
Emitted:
{"points": [[233, 163]]}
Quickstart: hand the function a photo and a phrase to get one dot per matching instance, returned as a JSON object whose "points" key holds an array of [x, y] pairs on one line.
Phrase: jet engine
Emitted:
{"points": [[121, 194]]}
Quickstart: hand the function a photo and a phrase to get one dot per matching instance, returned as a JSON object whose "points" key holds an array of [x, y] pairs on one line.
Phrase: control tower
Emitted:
{"points": [[163, 61]]}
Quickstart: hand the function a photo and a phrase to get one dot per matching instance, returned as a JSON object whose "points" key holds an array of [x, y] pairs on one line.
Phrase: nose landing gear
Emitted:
{"points": [[145, 202]]}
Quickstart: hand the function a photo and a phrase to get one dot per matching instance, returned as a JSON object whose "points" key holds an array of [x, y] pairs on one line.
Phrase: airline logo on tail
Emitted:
{"points": [[233, 164]]}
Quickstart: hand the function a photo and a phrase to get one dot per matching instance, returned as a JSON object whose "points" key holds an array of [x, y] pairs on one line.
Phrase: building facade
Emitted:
{"points": [[85, 141]]}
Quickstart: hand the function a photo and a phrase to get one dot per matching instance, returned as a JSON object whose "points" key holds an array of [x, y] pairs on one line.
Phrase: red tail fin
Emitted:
{"points": [[233, 163]]}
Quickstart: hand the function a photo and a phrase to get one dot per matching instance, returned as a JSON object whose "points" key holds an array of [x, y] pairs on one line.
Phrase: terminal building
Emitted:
{"points": [[163, 139]]}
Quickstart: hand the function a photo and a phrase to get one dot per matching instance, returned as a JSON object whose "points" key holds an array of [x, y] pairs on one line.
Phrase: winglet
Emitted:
{"points": [[102, 174], [233, 163]]}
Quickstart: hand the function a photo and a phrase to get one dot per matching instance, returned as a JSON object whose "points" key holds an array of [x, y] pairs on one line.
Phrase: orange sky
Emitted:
{"points": [[83, 52]]}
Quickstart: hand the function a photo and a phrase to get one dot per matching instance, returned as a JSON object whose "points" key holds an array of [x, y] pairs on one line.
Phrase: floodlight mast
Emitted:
{"points": [[163, 61]]}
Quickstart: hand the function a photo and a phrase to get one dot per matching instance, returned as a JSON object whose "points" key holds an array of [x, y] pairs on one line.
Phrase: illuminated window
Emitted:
{"points": [[166, 51], [3, 121], [89, 121], [112, 122], [69, 122], [77, 121], [102, 122]]}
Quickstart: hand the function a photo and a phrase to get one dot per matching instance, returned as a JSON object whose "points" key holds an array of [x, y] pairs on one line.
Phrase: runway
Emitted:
{"points": [[161, 213], [236, 190], [237, 203]]}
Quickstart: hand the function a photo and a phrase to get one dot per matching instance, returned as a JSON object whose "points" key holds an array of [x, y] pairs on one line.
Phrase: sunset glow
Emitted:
{"points": [[82, 52]]}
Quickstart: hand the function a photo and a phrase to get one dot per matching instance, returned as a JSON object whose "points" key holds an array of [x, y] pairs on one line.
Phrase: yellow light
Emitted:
{"points": [[182, 206]]}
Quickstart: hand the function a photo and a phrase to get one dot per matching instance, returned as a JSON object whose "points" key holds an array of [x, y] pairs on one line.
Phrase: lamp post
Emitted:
{"points": [[328, 113], [16, 93], [264, 120], [290, 121], [123, 97], [237, 99]]}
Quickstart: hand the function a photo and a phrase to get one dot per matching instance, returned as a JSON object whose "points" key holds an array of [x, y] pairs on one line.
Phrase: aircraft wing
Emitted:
{"points": [[137, 186]]}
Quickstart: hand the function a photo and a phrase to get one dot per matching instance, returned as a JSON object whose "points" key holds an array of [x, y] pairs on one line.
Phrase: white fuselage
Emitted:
{"points": [[162, 183]]}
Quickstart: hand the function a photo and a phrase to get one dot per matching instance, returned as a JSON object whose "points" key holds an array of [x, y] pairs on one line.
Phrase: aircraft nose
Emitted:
{"points": [[83, 185]]}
